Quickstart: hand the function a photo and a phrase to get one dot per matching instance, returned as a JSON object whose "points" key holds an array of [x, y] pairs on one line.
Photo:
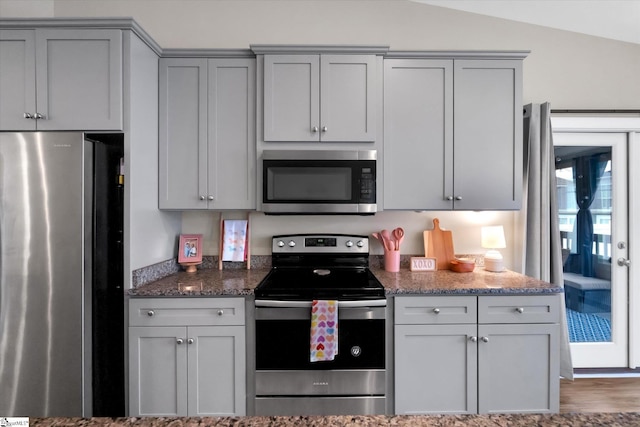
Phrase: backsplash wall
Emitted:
{"points": [[465, 227]]}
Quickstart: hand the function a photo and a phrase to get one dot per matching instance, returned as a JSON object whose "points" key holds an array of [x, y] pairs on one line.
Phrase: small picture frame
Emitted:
{"points": [[419, 263], [190, 249]]}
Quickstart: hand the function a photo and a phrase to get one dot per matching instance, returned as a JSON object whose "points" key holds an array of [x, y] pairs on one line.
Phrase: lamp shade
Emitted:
{"points": [[493, 237]]}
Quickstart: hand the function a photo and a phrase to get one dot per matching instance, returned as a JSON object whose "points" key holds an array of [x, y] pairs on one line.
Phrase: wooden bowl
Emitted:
{"points": [[462, 265]]}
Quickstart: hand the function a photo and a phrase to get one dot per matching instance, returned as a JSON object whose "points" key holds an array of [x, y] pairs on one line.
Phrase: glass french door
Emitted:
{"points": [[591, 176]]}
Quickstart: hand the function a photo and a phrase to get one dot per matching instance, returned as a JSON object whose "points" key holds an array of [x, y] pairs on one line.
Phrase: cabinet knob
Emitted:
{"points": [[458, 198], [38, 116], [28, 116], [473, 339], [203, 198], [190, 341], [485, 339], [179, 341], [520, 310], [151, 313], [220, 312], [449, 198], [314, 129], [324, 129], [436, 310], [210, 198]]}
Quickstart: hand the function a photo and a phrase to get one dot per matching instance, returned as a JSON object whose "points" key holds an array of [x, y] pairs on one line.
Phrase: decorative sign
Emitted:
{"points": [[423, 264]]}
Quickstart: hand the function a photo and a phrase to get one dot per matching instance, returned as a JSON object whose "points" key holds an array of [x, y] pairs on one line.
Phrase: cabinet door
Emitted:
{"points": [[488, 134], [232, 143], [157, 371], [418, 134], [217, 368], [183, 134], [17, 79], [291, 97], [518, 368], [348, 98], [435, 369], [79, 79]]}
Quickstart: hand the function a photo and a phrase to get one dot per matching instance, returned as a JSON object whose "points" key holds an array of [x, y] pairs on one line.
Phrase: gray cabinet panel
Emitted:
{"points": [[17, 79], [436, 369], [518, 368], [291, 97], [207, 134], [71, 78], [217, 371], [488, 134], [347, 112], [232, 142], [183, 134], [418, 133], [157, 371]]}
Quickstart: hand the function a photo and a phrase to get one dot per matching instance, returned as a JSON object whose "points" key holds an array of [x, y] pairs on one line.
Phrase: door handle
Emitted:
{"points": [[623, 262]]}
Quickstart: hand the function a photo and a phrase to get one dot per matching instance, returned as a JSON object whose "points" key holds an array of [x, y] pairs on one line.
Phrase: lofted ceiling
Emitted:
{"points": [[613, 19]]}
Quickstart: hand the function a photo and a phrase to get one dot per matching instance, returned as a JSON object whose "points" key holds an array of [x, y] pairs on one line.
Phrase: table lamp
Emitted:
{"points": [[493, 239]]}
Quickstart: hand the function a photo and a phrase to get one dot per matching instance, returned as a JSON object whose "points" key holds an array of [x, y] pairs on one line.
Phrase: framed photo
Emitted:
{"points": [[190, 248]]}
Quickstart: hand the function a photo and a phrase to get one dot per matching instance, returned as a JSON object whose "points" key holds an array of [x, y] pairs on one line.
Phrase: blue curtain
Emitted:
{"points": [[587, 172]]}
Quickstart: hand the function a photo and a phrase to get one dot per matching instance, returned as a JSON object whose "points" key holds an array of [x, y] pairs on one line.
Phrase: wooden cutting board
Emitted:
{"points": [[438, 244]]}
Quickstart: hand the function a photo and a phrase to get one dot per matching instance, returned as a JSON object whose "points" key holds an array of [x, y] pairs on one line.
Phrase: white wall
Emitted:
{"points": [[570, 70]]}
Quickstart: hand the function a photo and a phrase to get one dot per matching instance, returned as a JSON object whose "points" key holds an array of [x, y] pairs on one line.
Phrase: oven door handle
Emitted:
{"points": [[303, 304]]}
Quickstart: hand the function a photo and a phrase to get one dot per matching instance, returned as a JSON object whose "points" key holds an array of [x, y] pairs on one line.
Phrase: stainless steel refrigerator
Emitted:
{"points": [[61, 297]]}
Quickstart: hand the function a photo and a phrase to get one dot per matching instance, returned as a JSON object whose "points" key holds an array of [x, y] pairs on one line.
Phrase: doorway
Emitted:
{"points": [[591, 176]]}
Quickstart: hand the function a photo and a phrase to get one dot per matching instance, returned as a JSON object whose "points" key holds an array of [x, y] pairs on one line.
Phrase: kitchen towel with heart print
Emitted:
{"points": [[324, 330]]}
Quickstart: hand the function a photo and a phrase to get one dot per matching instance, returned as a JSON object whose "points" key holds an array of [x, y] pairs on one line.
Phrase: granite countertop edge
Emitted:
{"points": [[228, 283]]}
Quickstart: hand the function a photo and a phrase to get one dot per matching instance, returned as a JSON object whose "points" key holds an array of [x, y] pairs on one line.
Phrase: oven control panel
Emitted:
{"points": [[320, 243]]}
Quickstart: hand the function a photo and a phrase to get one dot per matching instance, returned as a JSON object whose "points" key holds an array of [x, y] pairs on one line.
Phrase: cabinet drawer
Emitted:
{"points": [[519, 309], [435, 310], [186, 312]]}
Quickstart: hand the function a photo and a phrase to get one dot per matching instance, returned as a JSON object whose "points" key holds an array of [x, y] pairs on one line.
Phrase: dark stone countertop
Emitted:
{"points": [[236, 282], [516, 420]]}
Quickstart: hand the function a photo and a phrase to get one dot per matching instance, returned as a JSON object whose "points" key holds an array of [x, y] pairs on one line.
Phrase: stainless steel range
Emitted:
{"points": [[327, 267]]}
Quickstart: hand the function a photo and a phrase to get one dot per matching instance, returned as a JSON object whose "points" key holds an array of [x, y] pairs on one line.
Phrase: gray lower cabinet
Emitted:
{"points": [[467, 354], [187, 357], [313, 98], [452, 134], [207, 133], [61, 79]]}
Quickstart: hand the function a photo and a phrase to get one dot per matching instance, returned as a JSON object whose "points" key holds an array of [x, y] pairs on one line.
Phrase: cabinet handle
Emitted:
{"points": [[28, 116], [449, 198], [179, 341], [151, 313], [38, 116], [436, 310], [520, 310], [190, 341], [485, 339], [314, 129], [458, 198], [473, 339], [220, 312], [324, 129], [210, 198], [203, 198]]}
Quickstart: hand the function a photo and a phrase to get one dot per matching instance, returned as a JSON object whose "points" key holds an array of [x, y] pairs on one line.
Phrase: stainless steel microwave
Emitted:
{"points": [[319, 182]]}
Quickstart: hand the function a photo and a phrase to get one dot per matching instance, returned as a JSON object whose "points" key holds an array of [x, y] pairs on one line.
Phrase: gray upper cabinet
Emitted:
{"points": [[452, 134], [207, 133], [61, 79], [311, 98]]}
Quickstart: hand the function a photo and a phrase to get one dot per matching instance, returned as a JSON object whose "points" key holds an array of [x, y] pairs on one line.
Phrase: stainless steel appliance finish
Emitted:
{"points": [[319, 182], [308, 267], [45, 261]]}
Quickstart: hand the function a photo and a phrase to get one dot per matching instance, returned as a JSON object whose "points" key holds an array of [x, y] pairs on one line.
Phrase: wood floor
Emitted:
{"points": [[600, 395]]}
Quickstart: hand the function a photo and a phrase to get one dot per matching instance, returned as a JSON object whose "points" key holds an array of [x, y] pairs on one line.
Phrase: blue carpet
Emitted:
{"points": [[587, 327]]}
